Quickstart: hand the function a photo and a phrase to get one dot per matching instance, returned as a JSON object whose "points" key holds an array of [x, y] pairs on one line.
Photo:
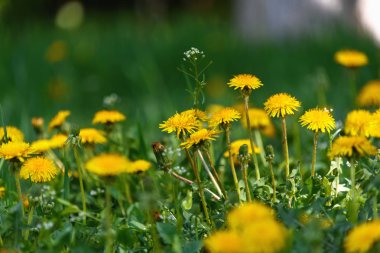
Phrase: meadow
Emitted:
{"points": [[181, 136]]}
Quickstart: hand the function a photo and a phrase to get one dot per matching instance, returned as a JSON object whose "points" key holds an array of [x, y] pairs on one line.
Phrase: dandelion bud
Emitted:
{"points": [[270, 152], [163, 161], [244, 156], [38, 124]]}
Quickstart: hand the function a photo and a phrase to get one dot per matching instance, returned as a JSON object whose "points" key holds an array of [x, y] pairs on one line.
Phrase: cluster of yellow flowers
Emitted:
{"points": [[252, 227]]}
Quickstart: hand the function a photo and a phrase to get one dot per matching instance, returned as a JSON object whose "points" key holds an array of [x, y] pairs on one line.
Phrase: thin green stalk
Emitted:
{"points": [[314, 158], [66, 179], [273, 181], [255, 162], [108, 222], [285, 147], [259, 142], [354, 79], [232, 165], [353, 210], [127, 189], [213, 180], [80, 173], [19, 193], [337, 160], [245, 178], [29, 222], [200, 186], [374, 207]]}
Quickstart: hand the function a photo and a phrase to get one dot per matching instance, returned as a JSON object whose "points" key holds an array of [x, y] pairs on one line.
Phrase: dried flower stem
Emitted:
{"points": [[255, 162], [232, 165], [314, 158], [215, 173], [285, 147], [209, 173]]}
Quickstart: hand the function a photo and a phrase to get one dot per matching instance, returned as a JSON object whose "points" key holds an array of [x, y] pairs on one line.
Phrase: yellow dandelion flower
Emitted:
{"points": [[281, 104], [180, 123], [349, 145], [224, 117], [248, 213], [11, 150], [40, 146], [224, 242], [362, 237], [58, 141], [58, 119], [13, 134], [374, 124], [258, 118], [139, 166], [39, 169], [264, 236], [199, 137], [318, 120], [2, 191], [369, 94], [245, 82], [37, 122], [351, 58], [108, 164], [235, 147], [108, 117], [92, 136], [357, 123], [199, 114]]}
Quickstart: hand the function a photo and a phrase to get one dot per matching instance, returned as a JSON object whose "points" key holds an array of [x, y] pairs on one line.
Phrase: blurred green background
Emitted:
{"points": [[46, 67]]}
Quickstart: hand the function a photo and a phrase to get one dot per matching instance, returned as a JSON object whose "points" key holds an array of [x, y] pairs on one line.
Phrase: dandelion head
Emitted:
{"points": [[18, 150], [318, 120], [357, 123], [224, 117], [362, 237], [2, 191], [40, 146], [369, 94], [224, 242], [198, 114], [351, 58], [347, 146], [92, 136], [108, 164], [108, 117], [281, 104], [139, 166], [58, 119], [13, 134], [38, 170], [58, 140], [374, 124], [181, 124], [264, 236], [245, 82], [248, 213], [235, 147], [199, 137]]}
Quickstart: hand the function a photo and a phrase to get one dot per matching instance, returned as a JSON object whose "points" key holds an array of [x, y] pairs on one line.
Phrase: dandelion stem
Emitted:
{"points": [[353, 209], [66, 180], [29, 222], [215, 173], [255, 162], [108, 221], [19, 193], [285, 147], [80, 173], [259, 142], [270, 158], [354, 79], [245, 178], [209, 173], [232, 165], [127, 190], [374, 207], [314, 158], [200, 186], [337, 159]]}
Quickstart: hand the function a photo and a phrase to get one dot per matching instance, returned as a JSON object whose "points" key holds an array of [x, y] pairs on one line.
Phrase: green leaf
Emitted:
{"points": [[167, 232]]}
